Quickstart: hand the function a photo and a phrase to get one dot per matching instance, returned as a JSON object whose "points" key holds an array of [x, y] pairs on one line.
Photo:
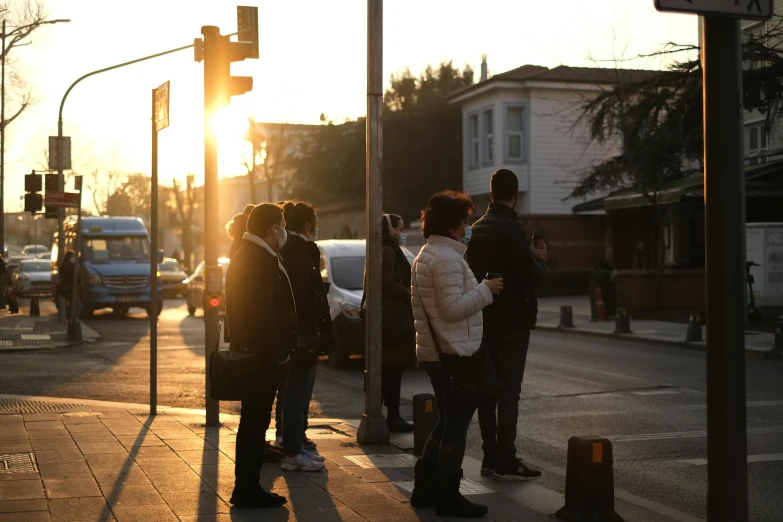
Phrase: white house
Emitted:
{"points": [[525, 120]]}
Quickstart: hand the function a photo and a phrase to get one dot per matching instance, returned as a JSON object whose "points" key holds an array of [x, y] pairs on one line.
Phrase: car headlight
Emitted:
{"points": [[350, 310], [185, 281], [94, 280]]}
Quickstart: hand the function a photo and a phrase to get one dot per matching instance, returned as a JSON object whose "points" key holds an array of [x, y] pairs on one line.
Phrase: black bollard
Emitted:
{"points": [[589, 489], [74, 330], [566, 317], [693, 334], [425, 416], [778, 334], [35, 307], [622, 322]]}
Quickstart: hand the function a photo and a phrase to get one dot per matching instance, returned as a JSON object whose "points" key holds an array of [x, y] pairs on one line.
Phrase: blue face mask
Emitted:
{"points": [[466, 238]]}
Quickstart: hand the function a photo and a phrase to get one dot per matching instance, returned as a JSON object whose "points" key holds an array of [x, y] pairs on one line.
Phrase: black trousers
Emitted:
{"points": [[391, 385], [253, 422], [498, 418]]}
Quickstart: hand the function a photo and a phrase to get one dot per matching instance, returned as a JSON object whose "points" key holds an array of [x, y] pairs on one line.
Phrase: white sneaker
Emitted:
{"points": [[301, 462], [314, 455], [279, 442]]}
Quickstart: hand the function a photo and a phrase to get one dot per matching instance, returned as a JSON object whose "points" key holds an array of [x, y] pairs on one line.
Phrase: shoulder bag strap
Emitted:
{"points": [[415, 277]]}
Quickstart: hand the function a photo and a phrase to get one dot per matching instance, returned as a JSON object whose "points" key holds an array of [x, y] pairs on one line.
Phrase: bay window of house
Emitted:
{"points": [[474, 141], [757, 143], [488, 138], [514, 146]]}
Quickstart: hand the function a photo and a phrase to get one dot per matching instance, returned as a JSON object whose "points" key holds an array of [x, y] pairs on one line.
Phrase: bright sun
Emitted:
{"points": [[228, 125]]}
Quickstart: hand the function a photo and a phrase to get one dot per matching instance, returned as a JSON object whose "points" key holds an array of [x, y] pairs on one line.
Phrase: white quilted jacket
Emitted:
{"points": [[452, 297]]}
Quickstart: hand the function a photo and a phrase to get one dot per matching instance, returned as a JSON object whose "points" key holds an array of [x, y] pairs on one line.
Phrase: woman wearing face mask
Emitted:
{"points": [[399, 353], [261, 313], [447, 304], [301, 259]]}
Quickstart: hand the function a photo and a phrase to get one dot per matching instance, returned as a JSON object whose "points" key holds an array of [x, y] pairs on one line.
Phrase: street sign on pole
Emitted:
{"points": [[161, 106], [247, 27], [160, 120], [54, 155], [62, 199], [749, 9]]}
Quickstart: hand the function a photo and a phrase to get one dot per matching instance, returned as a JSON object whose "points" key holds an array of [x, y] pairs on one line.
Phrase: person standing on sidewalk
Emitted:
{"points": [[302, 259], [398, 353], [501, 246], [261, 312], [447, 302]]}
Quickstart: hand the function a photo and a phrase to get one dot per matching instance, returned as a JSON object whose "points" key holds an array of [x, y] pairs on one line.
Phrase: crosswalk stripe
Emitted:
{"points": [[683, 434], [769, 457]]}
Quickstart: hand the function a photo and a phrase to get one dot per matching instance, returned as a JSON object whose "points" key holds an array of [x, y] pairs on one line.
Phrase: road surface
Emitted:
{"points": [[649, 400]]}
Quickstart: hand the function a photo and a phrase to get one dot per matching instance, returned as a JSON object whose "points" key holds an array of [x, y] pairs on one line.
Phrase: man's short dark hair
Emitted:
{"points": [[262, 217], [503, 185], [445, 211]]}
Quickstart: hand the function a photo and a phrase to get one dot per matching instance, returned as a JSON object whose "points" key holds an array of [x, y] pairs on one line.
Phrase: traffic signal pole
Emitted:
{"points": [[211, 199], [724, 208]]}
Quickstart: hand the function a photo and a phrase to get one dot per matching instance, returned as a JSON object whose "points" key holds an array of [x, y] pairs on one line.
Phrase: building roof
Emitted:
{"points": [[565, 74], [690, 187]]}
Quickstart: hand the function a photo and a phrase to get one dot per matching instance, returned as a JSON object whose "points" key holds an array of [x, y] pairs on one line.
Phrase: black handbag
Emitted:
{"points": [[397, 323], [227, 378], [307, 349], [468, 377]]}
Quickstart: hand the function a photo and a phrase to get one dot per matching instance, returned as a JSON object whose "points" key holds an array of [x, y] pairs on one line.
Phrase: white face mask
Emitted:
{"points": [[403, 238], [281, 241]]}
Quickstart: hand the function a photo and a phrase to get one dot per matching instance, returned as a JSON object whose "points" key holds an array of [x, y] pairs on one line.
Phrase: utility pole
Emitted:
{"points": [[373, 429], [2, 146], [724, 208]]}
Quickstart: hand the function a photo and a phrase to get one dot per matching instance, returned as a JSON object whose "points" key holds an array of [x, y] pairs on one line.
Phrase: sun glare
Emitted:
{"points": [[228, 125]]}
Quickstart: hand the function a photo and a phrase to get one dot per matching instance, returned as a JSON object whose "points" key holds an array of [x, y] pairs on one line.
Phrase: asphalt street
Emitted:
{"points": [[649, 400]]}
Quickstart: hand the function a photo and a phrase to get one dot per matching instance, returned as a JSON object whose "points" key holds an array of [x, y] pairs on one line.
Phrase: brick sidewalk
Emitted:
{"points": [[101, 463]]}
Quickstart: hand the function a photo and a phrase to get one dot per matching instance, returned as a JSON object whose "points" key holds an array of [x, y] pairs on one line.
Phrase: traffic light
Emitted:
{"points": [[224, 52], [33, 200]]}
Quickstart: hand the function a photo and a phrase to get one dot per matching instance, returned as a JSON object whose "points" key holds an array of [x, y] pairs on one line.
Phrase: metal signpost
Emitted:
{"points": [[160, 120], [724, 209], [373, 429], [74, 328]]}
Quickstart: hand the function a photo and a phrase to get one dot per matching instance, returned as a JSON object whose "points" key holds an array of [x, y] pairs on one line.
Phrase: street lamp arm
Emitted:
{"points": [[106, 69]]}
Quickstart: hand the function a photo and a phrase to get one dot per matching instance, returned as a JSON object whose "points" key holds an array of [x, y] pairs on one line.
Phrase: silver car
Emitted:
{"points": [[32, 278]]}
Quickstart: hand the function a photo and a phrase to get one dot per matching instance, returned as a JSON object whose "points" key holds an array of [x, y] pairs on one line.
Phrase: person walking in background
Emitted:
{"points": [[399, 351], [3, 277], [500, 245], [301, 259], [261, 312], [447, 303]]}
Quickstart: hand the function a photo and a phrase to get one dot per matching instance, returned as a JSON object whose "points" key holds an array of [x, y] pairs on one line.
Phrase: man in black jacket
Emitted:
{"points": [[500, 245], [261, 313]]}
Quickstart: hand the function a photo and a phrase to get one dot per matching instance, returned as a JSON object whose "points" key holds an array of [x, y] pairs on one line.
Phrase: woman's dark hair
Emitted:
{"points": [[262, 217], [66, 258], [237, 226], [297, 215], [445, 211], [386, 237]]}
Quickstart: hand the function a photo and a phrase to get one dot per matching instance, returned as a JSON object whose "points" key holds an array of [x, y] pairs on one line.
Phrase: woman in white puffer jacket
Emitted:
{"points": [[447, 302]]}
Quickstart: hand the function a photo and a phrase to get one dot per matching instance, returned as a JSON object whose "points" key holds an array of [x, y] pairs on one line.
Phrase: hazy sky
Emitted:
{"points": [[313, 61]]}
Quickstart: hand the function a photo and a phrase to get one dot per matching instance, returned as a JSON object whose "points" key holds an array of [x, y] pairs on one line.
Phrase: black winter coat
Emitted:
{"points": [[302, 260], [500, 244], [260, 308]]}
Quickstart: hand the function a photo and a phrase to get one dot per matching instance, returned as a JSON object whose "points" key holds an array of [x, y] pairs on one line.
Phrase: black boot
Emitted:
{"points": [[424, 486], [398, 425], [451, 503], [255, 497]]}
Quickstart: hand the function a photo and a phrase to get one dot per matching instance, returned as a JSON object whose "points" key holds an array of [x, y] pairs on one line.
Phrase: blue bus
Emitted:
{"points": [[114, 263]]}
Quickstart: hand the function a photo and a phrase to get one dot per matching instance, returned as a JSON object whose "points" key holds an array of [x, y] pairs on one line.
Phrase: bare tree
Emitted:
{"points": [[273, 146], [252, 137], [22, 19], [185, 206], [102, 187]]}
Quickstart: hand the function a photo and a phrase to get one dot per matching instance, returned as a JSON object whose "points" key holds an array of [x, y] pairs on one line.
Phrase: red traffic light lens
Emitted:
{"points": [[214, 302]]}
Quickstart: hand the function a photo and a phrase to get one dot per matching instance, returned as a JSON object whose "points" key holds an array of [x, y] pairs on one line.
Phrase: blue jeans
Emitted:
{"points": [[296, 405], [445, 447]]}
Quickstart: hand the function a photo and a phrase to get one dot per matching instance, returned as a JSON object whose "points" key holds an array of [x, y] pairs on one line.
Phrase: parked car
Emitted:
{"points": [[173, 278], [195, 296], [46, 256], [13, 262], [34, 250], [5, 251], [342, 265], [32, 278]]}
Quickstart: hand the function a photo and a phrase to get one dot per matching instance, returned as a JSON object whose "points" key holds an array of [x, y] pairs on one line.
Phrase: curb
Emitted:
{"points": [[48, 346], [697, 347]]}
